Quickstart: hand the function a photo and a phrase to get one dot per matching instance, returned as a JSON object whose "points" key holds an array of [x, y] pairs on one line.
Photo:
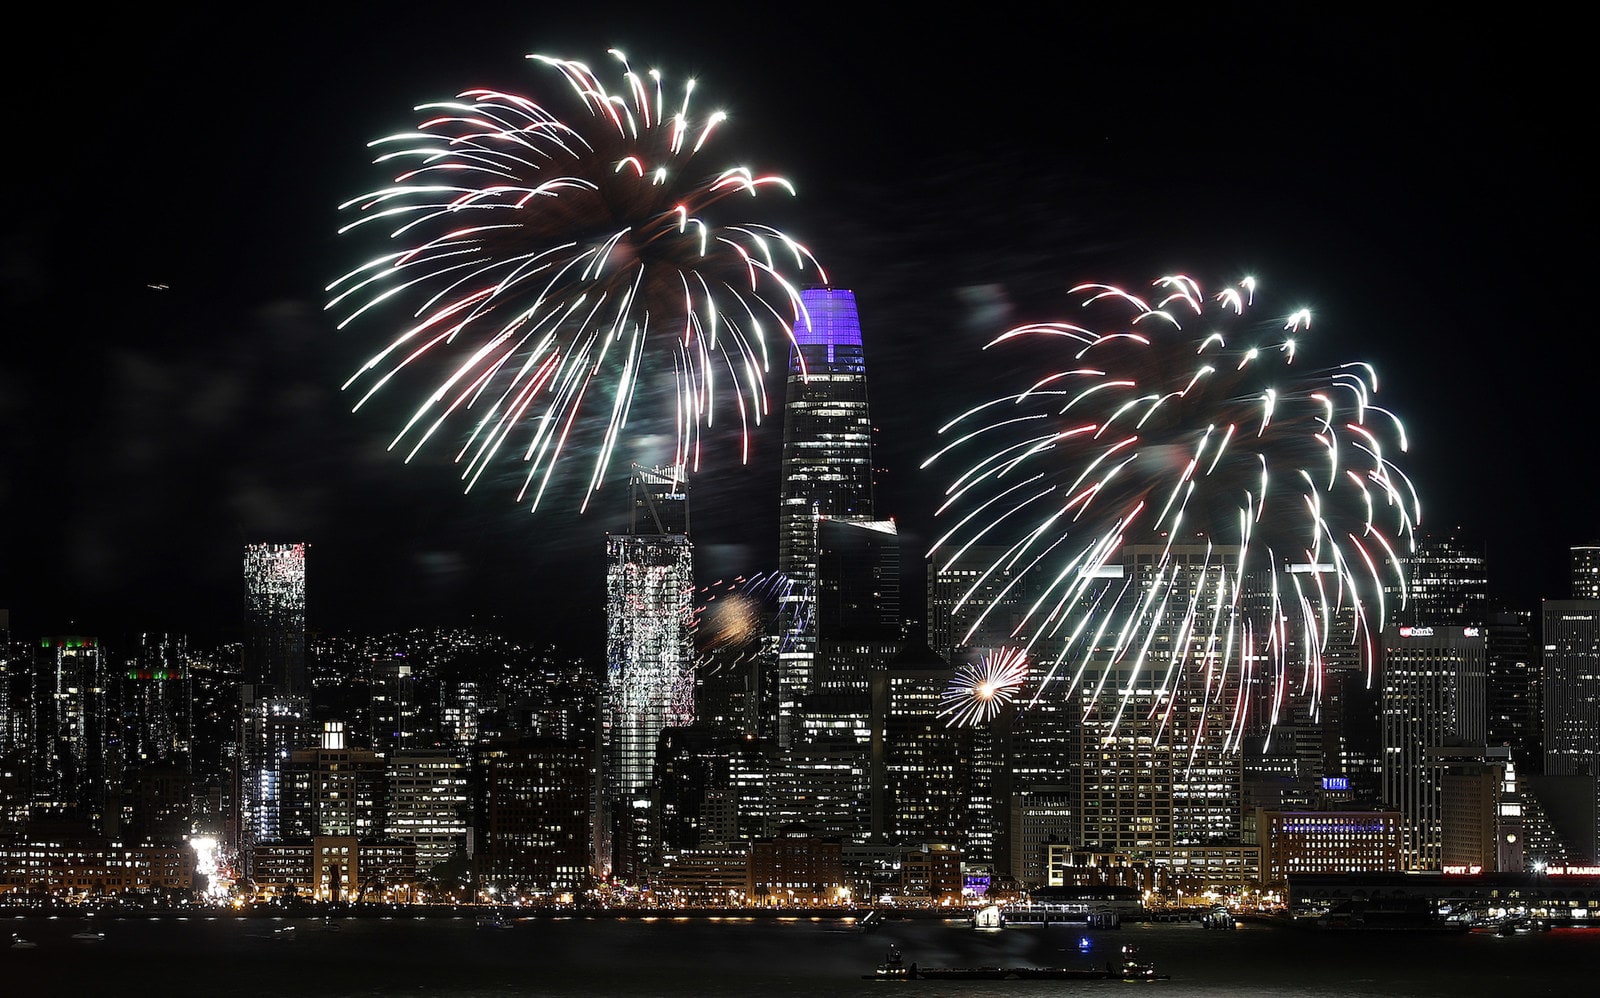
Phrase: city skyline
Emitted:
{"points": [[186, 402]]}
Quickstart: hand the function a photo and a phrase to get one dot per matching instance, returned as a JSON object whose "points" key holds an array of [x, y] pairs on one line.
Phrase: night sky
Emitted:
{"points": [[1414, 183]]}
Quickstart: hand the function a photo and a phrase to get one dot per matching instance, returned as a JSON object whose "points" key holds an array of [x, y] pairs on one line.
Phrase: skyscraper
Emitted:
{"points": [[1585, 571], [1572, 688], [1157, 769], [274, 712], [857, 602], [827, 472], [69, 729], [272, 728], [1516, 700], [275, 617], [1446, 584], [649, 660], [919, 781], [1434, 694], [12, 727]]}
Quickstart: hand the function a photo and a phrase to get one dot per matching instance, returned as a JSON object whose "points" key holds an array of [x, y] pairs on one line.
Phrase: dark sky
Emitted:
{"points": [[1414, 182]]}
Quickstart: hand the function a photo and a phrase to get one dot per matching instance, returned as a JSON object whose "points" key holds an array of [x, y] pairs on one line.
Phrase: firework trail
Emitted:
{"points": [[1188, 527], [978, 692], [546, 266]]}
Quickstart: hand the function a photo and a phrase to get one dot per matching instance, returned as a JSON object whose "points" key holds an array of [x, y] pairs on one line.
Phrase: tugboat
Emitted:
{"points": [[893, 968], [1132, 969]]}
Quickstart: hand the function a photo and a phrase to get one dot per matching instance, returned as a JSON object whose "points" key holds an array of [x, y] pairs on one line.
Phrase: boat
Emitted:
{"points": [[1132, 968], [89, 936], [17, 942], [493, 922], [1057, 974], [963, 973], [893, 968]]}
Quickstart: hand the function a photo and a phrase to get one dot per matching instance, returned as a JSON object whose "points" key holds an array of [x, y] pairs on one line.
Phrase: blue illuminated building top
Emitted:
{"points": [[830, 322]]}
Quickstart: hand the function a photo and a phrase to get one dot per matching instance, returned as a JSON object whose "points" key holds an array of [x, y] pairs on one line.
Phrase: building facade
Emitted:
{"points": [[649, 662], [69, 736], [428, 804], [275, 617], [1446, 584], [827, 472], [1572, 687], [532, 817], [1585, 571], [1433, 695], [1299, 842]]}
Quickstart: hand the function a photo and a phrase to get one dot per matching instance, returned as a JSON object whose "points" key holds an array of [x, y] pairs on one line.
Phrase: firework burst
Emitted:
{"points": [[978, 692], [546, 266], [734, 618], [1189, 524]]}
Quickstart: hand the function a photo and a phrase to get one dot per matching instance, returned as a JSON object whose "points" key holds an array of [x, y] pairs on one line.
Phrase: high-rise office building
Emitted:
{"points": [[978, 601], [1446, 584], [1516, 697], [69, 729], [1434, 695], [428, 804], [918, 772], [977, 605], [531, 815], [1158, 767], [334, 789], [152, 705], [1572, 688], [827, 472], [649, 661], [275, 617], [13, 728], [857, 597], [394, 714], [1585, 571], [151, 740], [703, 793], [275, 712], [272, 728]]}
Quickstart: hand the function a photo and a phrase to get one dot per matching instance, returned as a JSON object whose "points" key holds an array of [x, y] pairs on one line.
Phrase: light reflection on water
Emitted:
{"points": [[736, 957]]}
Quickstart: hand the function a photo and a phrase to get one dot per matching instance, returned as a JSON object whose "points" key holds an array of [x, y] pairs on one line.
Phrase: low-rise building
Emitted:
{"points": [[1302, 842]]}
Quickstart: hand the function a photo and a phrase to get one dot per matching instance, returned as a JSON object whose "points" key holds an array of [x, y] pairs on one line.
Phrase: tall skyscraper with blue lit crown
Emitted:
{"points": [[827, 473]]}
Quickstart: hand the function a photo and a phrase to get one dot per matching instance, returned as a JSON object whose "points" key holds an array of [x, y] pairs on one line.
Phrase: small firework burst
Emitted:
{"points": [[978, 692]]}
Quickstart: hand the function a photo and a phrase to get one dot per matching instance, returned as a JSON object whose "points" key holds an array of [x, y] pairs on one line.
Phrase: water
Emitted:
{"points": [[824, 957]]}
